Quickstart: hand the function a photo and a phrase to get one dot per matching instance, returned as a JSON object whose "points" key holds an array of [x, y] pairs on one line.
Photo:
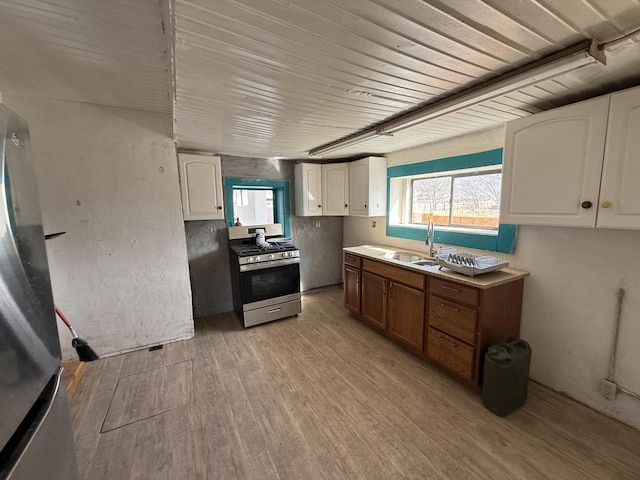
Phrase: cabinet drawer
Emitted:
{"points": [[454, 291], [453, 319], [396, 274], [351, 259], [450, 353]]}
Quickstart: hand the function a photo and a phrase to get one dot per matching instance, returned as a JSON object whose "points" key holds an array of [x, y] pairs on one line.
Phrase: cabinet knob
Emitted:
{"points": [[219, 207], [319, 206], [607, 204], [345, 205], [365, 205], [586, 204]]}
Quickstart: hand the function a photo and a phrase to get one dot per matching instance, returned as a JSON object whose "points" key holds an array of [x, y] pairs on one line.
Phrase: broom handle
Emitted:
{"points": [[65, 321]]}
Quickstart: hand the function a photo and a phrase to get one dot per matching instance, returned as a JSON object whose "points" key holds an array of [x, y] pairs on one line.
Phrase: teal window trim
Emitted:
{"points": [[281, 199], [503, 241]]}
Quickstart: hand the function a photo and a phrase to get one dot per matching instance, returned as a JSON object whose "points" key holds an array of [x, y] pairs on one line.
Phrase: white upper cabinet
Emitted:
{"points": [[619, 205], [335, 189], [308, 189], [321, 189], [552, 165], [575, 166], [368, 187], [201, 186]]}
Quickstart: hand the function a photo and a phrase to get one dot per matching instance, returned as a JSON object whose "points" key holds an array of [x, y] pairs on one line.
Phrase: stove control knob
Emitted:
{"points": [[291, 254], [257, 259], [271, 256]]}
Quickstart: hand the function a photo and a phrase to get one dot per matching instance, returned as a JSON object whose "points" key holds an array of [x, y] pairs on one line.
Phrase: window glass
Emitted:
{"points": [[253, 206], [470, 199], [476, 201], [257, 201], [431, 200]]}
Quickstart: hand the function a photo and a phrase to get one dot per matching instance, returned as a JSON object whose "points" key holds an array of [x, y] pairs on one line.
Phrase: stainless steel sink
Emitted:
{"points": [[425, 263], [403, 257]]}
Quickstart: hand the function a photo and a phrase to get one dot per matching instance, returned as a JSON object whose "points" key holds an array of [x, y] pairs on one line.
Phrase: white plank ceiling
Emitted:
{"points": [[276, 78]]}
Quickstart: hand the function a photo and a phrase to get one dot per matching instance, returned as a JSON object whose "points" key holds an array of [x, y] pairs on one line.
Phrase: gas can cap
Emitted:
{"points": [[499, 354]]}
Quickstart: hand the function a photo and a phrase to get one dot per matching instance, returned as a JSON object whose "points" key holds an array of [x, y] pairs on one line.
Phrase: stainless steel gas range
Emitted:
{"points": [[265, 271]]}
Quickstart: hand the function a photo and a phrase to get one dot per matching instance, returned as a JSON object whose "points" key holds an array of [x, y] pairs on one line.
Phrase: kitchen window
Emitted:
{"points": [[258, 202], [460, 194], [253, 206], [470, 199]]}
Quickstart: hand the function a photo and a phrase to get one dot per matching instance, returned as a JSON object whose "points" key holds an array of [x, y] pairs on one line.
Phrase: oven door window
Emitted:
{"points": [[269, 283]]}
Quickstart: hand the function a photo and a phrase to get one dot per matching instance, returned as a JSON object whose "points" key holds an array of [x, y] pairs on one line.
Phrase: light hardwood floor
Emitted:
{"points": [[321, 396]]}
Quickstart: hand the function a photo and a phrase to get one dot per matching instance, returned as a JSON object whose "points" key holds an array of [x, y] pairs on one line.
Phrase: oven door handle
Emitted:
{"points": [[281, 262]]}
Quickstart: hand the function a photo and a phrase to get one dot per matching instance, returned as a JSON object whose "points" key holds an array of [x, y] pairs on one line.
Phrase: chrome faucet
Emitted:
{"points": [[429, 240]]}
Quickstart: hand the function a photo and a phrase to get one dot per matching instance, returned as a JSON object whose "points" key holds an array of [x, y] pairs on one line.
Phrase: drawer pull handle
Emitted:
{"points": [[447, 287], [449, 307], [451, 344], [273, 310]]}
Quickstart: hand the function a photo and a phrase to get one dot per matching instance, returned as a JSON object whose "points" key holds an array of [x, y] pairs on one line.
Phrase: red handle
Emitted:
{"points": [[62, 317]]}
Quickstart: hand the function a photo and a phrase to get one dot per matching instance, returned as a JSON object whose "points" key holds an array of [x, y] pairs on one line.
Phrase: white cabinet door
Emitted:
{"points": [[368, 187], [552, 164], [619, 205], [201, 186], [308, 189], [335, 189]]}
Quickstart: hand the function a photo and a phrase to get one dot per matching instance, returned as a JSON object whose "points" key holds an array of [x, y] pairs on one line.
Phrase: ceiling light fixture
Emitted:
{"points": [[572, 58]]}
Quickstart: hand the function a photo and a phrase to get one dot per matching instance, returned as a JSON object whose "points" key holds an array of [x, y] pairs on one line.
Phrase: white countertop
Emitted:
{"points": [[485, 280]]}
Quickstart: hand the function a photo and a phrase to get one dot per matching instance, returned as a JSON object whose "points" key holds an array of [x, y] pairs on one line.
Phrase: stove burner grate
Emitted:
{"points": [[251, 249]]}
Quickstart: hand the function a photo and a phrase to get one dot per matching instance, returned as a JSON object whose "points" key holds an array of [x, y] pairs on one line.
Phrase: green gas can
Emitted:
{"points": [[505, 382]]}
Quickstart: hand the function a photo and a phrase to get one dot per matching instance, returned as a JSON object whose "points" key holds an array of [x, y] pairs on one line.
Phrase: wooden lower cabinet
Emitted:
{"points": [[406, 315], [352, 283], [450, 323], [464, 321], [352, 289], [391, 306], [374, 300], [454, 355]]}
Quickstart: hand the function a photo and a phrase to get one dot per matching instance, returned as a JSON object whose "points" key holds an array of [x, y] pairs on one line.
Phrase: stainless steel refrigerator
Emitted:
{"points": [[36, 441]]}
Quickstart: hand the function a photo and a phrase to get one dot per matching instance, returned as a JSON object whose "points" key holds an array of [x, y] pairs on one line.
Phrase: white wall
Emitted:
{"points": [[569, 298], [109, 178]]}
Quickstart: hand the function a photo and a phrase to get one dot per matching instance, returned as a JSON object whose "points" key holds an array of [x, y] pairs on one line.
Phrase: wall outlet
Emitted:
{"points": [[373, 223], [317, 223], [608, 389]]}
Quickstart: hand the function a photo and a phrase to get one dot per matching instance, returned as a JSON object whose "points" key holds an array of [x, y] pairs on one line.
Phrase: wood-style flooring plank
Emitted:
{"points": [[144, 360], [153, 392], [158, 448], [89, 406], [322, 396]]}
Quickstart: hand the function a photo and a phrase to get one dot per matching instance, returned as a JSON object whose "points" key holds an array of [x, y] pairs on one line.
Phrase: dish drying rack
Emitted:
{"points": [[468, 263]]}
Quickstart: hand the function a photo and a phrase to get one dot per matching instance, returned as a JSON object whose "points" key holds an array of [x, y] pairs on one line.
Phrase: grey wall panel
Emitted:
{"points": [[320, 250], [209, 267]]}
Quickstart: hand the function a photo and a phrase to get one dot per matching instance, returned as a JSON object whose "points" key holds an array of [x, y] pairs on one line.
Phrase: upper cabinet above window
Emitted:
{"points": [[576, 165]]}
